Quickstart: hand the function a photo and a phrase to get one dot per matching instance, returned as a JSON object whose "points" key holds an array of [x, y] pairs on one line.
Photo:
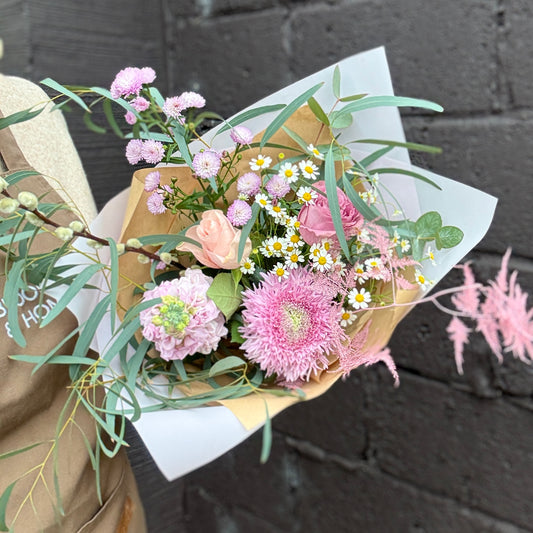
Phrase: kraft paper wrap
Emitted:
{"points": [[138, 221], [30, 407]]}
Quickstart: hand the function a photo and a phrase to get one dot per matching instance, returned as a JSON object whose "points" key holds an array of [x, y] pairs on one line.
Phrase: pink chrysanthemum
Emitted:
{"points": [[151, 181], [155, 204], [289, 327], [140, 104], [278, 186], [206, 164], [187, 321], [191, 99], [249, 184], [130, 118], [239, 212], [134, 151], [153, 151], [173, 107], [127, 81], [241, 135]]}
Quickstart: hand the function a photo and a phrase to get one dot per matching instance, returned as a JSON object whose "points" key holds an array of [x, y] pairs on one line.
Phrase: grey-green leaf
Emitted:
{"points": [[428, 225], [225, 364], [450, 236]]}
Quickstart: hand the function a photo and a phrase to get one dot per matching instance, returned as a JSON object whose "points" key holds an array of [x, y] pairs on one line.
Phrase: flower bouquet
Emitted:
{"points": [[255, 265]]}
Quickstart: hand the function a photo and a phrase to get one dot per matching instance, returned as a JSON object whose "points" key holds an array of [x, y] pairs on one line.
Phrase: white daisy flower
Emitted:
{"points": [[248, 267], [277, 211], [263, 200], [369, 196], [306, 195], [374, 263], [347, 317], [293, 260], [289, 172], [278, 245], [339, 265], [360, 273], [431, 256], [308, 169], [260, 162], [359, 298], [322, 262], [315, 152], [422, 280], [281, 271], [316, 250], [405, 245], [294, 239]]}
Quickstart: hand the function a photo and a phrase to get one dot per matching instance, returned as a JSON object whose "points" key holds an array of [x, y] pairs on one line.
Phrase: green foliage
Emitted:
{"points": [[225, 293]]}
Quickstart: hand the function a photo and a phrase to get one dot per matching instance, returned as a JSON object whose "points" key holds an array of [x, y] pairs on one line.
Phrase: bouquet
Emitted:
{"points": [[250, 266]]}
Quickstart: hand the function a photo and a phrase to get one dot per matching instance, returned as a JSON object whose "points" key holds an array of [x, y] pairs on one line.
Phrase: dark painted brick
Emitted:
{"points": [[334, 421], [434, 48], [15, 31], [494, 154], [88, 43], [366, 500], [232, 62], [478, 451], [239, 480], [517, 50]]}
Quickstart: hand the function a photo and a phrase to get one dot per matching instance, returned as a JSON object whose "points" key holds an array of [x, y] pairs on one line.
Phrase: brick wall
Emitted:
{"points": [[443, 452]]}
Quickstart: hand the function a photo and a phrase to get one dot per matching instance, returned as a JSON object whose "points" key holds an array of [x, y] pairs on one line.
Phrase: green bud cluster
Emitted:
{"points": [[173, 316]]}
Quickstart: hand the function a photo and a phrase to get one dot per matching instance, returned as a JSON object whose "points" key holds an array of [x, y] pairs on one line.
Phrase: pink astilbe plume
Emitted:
{"points": [[458, 333], [378, 238], [467, 300], [355, 354]]}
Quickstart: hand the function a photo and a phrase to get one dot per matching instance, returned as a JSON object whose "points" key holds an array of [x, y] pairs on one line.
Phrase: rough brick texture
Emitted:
{"points": [[443, 452]]}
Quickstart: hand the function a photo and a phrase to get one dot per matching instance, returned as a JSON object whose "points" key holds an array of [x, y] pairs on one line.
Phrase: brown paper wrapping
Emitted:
{"points": [[250, 410]]}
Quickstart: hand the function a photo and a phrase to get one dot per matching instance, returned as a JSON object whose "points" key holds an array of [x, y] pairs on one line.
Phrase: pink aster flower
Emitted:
{"points": [[187, 321], [173, 107], [153, 151], [249, 184], [239, 212], [151, 181], [241, 135], [134, 151], [206, 164], [289, 326], [191, 99], [127, 81], [140, 104], [155, 204], [278, 186], [130, 118]]}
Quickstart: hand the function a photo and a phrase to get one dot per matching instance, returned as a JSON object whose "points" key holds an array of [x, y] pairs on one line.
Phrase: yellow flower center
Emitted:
{"points": [[346, 316], [260, 162], [308, 169], [289, 173], [263, 202], [297, 224], [276, 208], [247, 265], [294, 258], [421, 279], [316, 152], [360, 298], [359, 271], [322, 260], [326, 246], [307, 196], [277, 246], [295, 238], [280, 272]]}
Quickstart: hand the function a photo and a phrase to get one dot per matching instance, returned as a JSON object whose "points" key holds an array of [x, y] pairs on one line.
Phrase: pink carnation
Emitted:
{"points": [[289, 327], [187, 321]]}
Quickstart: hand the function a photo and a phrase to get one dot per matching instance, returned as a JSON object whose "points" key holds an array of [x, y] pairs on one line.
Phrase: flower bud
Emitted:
{"points": [[121, 248], [8, 206], [33, 219], [166, 258], [77, 225], [28, 200], [134, 243], [94, 244], [65, 234], [143, 259], [3, 184]]}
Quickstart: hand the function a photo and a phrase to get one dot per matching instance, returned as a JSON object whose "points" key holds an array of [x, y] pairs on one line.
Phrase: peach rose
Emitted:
{"points": [[219, 241]]}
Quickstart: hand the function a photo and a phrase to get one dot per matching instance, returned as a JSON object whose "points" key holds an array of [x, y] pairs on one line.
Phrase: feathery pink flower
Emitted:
{"points": [[173, 107], [190, 99], [140, 104], [153, 151], [467, 300], [206, 164], [134, 151], [241, 135], [458, 333], [249, 184], [130, 118], [151, 181], [278, 186], [239, 213], [289, 326], [155, 204]]}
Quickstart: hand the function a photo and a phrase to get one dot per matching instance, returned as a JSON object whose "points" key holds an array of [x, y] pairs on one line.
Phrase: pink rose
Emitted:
{"points": [[219, 241], [316, 223]]}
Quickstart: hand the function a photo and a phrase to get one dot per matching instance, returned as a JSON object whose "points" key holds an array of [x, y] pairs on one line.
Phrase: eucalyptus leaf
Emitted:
{"points": [[317, 110], [336, 85], [19, 116], [389, 101], [246, 230], [225, 364], [266, 445], [450, 236], [340, 120], [63, 90], [428, 225], [4, 500], [249, 114]]}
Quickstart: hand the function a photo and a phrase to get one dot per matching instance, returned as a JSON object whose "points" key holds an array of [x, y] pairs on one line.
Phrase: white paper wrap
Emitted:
{"points": [[181, 441]]}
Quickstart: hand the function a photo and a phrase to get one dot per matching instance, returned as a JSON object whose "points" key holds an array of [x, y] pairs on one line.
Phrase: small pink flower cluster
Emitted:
{"points": [[175, 105], [150, 151], [187, 321], [130, 80]]}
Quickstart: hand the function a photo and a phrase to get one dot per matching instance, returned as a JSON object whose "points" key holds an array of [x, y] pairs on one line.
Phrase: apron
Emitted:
{"points": [[30, 407]]}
